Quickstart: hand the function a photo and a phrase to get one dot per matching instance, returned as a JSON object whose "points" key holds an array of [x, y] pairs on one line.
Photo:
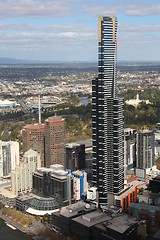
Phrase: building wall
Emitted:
{"points": [[75, 156], [54, 141], [145, 149], [9, 157], [21, 177], [33, 137], [80, 184], [49, 182], [129, 149]]}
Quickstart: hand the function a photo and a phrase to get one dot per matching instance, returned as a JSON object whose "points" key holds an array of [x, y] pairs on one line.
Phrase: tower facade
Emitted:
{"points": [[129, 149], [107, 116], [145, 149], [75, 156], [33, 137], [9, 157], [21, 177], [54, 141]]}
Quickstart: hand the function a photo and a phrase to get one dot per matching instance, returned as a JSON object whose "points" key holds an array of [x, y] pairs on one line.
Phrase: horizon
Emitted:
{"points": [[17, 61]]}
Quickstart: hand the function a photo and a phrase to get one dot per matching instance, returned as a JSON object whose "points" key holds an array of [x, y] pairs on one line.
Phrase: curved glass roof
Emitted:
{"points": [[44, 204]]}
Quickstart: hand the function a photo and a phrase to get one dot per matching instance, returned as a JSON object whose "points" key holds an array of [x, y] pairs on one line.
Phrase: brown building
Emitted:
{"points": [[33, 137], [54, 141]]}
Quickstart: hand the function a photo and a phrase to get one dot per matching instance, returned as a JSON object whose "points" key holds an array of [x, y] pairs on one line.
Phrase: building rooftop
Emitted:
{"points": [[73, 144], [92, 218], [30, 153], [76, 208], [119, 223], [56, 170], [54, 119], [141, 206], [34, 126]]}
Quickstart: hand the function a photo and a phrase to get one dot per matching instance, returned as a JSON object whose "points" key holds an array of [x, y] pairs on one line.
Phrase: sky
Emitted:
{"points": [[66, 30]]}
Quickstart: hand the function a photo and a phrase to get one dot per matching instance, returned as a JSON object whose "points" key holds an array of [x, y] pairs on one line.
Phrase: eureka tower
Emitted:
{"points": [[107, 116]]}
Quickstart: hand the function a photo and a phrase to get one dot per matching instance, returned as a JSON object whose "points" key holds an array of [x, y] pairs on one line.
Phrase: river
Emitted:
{"points": [[6, 233]]}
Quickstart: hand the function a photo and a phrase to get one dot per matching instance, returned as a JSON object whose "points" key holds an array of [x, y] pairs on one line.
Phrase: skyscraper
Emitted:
{"points": [[54, 141], [145, 149], [75, 156], [9, 157], [33, 137], [107, 116]]}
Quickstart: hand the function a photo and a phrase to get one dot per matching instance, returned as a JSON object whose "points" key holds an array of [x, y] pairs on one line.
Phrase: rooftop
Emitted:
{"points": [[92, 218], [76, 208], [119, 223]]}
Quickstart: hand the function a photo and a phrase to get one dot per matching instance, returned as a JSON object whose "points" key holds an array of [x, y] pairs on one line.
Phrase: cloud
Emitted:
{"points": [[122, 7], [139, 28], [104, 9], [31, 8], [143, 9]]}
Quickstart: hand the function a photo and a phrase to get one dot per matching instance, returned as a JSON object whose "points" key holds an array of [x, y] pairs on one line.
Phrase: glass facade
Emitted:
{"points": [[44, 204]]}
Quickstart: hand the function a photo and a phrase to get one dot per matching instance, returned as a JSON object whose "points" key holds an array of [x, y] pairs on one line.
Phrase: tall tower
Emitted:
{"points": [[54, 141], [107, 116], [145, 149], [33, 137]]}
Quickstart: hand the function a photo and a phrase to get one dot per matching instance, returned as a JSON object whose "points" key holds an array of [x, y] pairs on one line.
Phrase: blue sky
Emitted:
{"points": [[66, 30]]}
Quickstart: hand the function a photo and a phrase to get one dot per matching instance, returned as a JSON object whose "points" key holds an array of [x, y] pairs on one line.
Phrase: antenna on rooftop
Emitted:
{"points": [[39, 108]]}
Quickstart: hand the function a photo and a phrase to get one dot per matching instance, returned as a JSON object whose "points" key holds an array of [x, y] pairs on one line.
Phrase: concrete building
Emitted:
{"points": [[145, 149], [157, 141], [122, 227], [149, 213], [21, 177], [85, 222], [129, 149], [54, 141], [33, 138], [107, 116], [75, 156], [9, 157], [80, 184], [63, 219]]}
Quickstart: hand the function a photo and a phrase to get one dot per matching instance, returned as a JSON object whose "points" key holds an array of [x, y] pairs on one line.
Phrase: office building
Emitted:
{"points": [[145, 149], [75, 156], [84, 221], [21, 177], [9, 157], [54, 141], [33, 138], [53, 182], [107, 116], [80, 184]]}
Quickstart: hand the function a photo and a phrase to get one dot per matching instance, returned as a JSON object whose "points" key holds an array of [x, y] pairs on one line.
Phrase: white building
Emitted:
{"points": [[80, 184], [136, 102], [21, 177], [9, 157]]}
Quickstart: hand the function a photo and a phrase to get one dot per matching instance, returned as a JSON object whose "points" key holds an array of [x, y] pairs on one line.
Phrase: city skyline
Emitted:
{"points": [[66, 30]]}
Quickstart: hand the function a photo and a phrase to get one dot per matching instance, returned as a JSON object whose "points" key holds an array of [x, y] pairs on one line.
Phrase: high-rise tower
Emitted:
{"points": [[54, 141], [33, 137], [107, 116]]}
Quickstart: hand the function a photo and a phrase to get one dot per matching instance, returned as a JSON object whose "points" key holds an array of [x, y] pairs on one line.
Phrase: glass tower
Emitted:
{"points": [[107, 116]]}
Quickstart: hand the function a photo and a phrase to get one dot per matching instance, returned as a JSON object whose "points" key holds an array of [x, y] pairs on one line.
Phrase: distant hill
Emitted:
{"points": [[17, 61]]}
